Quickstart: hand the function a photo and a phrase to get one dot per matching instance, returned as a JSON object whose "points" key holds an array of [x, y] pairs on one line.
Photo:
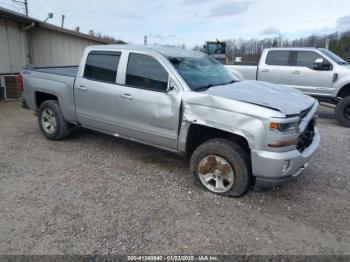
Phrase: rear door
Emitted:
{"points": [[303, 76], [147, 112], [276, 67], [96, 92]]}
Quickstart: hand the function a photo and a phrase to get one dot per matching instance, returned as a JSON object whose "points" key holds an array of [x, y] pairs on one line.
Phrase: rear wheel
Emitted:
{"points": [[342, 112], [51, 121], [222, 167]]}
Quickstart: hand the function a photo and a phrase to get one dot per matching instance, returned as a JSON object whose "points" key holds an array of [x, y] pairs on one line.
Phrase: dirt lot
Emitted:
{"points": [[96, 194]]}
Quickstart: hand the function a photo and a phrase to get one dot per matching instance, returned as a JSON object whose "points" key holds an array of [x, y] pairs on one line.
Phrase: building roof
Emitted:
{"points": [[164, 50], [18, 17]]}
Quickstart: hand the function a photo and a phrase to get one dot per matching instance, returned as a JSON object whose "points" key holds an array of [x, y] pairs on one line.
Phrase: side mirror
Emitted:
{"points": [[172, 87], [321, 64]]}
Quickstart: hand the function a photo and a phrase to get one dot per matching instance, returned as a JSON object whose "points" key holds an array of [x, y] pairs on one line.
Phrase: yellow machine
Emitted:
{"points": [[217, 49]]}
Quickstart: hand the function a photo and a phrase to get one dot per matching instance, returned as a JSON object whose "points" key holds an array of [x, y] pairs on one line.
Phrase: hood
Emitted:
{"points": [[284, 99]]}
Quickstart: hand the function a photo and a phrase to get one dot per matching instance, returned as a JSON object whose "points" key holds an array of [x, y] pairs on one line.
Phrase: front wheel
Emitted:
{"points": [[51, 121], [342, 112], [222, 167]]}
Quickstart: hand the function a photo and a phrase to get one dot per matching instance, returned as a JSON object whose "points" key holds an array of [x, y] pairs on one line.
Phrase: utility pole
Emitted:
{"points": [[327, 43], [26, 6], [25, 3]]}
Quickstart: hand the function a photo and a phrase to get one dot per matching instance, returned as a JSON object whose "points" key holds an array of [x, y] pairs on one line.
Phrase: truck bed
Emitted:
{"points": [[58, 70], [57, 81]]}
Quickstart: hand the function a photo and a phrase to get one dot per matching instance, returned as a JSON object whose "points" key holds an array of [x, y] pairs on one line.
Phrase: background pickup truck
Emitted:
{"points": [[237, 133], [317, 72]]}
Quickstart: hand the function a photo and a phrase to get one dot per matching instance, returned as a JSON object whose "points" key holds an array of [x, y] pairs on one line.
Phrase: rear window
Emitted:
{"points": [[102, 66], [277, 58]]}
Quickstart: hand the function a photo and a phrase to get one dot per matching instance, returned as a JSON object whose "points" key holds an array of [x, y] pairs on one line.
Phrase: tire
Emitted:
{"points": [[56, 128], [342, 112], [211, 156]]}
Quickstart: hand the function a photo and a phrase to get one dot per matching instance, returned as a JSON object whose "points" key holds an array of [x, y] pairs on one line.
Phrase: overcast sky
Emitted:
{"points": [[192, 22]]}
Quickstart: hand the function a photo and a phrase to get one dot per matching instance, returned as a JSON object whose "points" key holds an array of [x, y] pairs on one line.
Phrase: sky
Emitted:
{"points": [[192, 22]]}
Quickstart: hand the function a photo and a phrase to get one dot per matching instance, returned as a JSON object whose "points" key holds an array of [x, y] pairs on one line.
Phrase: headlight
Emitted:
{"points": [[287, 127]]}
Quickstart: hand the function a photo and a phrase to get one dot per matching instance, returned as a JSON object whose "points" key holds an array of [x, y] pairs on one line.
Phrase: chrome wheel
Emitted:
{"points": [[216, 173], [48, 121]]}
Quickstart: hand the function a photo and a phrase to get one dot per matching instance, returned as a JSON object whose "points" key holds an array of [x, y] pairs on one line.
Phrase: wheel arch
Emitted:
{"points": [[344, 91], [197, 134]]}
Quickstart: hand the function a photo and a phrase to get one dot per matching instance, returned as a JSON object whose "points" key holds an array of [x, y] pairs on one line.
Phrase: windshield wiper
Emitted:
{"points": [[231, 82], [203, 88]]}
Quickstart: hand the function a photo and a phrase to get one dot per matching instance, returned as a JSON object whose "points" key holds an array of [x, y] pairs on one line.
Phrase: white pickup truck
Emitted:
{"points": [[315, 71]]}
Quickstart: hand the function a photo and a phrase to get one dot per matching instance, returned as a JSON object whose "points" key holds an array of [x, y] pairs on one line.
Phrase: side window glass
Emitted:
{"points": [[307, 58], [145, 72], [277, 58], [102, 66]]}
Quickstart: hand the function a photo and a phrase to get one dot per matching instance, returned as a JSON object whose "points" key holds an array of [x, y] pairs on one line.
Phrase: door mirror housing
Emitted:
{"points": [[172, 87], [322, 64]]}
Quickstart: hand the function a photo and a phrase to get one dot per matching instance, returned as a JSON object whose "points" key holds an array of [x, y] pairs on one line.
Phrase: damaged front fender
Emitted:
{"points": [[235, 117]]}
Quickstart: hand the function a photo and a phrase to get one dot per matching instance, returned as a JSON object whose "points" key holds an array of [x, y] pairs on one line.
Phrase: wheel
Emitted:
{"points": [[222, 167], [51, 121], [342, 112]]}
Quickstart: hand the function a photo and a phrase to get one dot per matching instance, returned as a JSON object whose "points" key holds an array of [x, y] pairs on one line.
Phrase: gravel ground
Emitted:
{"points": [[96, 194]]}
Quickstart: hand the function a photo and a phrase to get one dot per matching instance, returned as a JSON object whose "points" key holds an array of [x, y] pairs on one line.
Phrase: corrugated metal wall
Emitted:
{"points": [[50, 48], [12, 47], [55, 48]]}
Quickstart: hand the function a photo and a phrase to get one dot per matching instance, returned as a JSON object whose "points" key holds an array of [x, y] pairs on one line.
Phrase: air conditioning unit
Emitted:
{"points": [[9, 87]]}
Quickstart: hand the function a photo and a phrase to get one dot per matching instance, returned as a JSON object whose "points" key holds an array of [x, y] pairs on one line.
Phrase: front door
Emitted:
{"points": [[96, 92], [147, 112], [303, 76]]}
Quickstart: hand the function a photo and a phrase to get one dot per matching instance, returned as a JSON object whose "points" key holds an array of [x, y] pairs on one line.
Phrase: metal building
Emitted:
{"points": [[28, 41]]}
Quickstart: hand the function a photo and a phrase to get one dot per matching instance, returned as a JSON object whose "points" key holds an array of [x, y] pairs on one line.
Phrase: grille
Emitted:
{"points": [[306, 138]]}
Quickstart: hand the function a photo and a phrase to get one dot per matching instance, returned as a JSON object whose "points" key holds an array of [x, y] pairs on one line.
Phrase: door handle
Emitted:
{"points": [[81, 87], [264, 70], [296, 72], [127, 96]]}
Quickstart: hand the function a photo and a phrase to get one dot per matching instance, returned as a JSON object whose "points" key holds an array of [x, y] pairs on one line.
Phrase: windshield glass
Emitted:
{"points": [[202, 72], [216, 48], [333, 56]]}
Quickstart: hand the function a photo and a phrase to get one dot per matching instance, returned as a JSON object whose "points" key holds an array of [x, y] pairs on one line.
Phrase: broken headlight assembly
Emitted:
{"points": [[284, 127]]}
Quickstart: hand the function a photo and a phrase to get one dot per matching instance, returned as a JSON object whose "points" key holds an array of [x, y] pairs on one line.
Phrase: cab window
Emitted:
{"points": [[145, 72], [278, 57], [307, 59], [102, 66]]}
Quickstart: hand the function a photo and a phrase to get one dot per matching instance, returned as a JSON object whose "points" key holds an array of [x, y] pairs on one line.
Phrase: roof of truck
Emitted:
{"points": [[293, 48], [164, 50]]}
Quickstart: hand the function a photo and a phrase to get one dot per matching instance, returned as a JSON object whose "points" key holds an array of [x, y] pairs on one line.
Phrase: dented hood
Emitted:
{"points": [[284, 99]]}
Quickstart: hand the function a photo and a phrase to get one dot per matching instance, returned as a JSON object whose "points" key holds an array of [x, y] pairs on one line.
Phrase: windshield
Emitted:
{"points": [[216, 48], [202, 72], [333, 56]]}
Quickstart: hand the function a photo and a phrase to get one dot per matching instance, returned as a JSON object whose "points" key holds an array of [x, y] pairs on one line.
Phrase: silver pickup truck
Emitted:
{"points": [[237, 133], [315, 71]]}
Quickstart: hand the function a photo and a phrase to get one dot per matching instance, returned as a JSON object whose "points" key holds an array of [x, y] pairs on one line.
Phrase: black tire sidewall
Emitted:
{"points": [[61, 129], [339, 111], [231, 152]]}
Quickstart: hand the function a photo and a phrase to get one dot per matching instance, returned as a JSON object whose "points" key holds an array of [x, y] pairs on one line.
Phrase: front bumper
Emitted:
{"points": [[267, 166]]}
